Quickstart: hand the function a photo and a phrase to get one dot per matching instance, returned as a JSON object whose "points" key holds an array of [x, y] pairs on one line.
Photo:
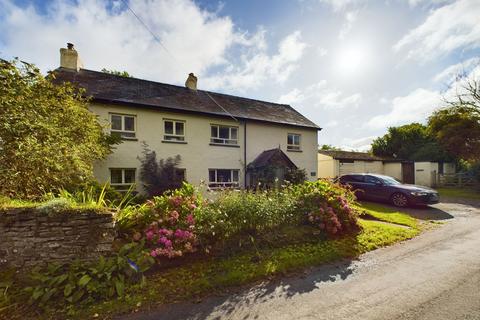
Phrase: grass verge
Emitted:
{"points": [[388, 214], [462, 193]]}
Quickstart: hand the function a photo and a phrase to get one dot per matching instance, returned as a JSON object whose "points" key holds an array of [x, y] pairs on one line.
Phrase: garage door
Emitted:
{"points": [[346, 168]]}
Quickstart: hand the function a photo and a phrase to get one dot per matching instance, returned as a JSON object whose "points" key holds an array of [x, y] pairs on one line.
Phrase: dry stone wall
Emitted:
{"points": [[30, 238]]}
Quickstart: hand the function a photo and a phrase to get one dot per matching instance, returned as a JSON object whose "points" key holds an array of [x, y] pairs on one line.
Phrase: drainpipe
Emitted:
{"points": [[245, 153]]}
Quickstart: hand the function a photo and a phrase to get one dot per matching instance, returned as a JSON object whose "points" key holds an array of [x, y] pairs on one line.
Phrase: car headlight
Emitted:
{"points": [[419, 193]]}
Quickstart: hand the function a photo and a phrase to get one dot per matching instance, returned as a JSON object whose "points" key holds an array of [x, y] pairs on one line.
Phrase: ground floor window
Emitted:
{"points": [[122, 178], [223, 178]]}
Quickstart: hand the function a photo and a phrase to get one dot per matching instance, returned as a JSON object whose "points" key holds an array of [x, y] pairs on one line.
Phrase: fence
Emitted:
{"points": [[457, 180]]}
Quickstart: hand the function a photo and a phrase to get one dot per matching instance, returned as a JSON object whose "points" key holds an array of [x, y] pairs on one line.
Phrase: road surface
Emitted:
{"points": [[434, 276]]}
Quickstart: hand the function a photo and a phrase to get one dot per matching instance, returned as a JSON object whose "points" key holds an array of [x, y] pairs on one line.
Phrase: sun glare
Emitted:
{"points": [[352, 59]]}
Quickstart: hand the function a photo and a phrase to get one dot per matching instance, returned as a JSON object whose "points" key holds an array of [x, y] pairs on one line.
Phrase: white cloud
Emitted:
{"points": [[350, 18], [322, 52], [447, 28], [451, 73], [357, 144], [257, 66], [107, 35], [339, 5], [413, 107], [320, 95], [414, 3]]}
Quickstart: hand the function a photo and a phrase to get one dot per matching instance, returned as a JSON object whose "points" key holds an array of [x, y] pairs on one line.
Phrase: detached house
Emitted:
{"points": [[221, 138]]}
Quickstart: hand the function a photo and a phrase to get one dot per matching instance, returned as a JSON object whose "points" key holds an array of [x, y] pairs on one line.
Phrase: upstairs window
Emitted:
{"points": [[224, 135], [223, 178], [122, 179], [293, 142], [174, 130], [123, 125]]}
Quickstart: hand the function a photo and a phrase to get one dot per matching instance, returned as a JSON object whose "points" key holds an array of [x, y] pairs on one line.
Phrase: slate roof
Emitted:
{"points": [[265, 158], [352, 155], [108, 88]]}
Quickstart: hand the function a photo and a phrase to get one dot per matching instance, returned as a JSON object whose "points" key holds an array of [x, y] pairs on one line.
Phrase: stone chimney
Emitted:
{"points": [[69, 58], [191, 82]]}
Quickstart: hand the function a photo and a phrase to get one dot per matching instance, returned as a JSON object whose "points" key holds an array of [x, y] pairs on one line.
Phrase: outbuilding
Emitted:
{"points": [[333, 163]]}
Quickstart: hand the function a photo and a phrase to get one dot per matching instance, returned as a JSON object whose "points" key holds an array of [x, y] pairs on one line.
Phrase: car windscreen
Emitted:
{"points": [[389, 181]]}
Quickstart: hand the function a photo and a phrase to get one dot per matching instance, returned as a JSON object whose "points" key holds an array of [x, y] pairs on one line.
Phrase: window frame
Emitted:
{"points": [[225, 141], [123, 186], [122, 130], [293, 146], [176, 137], [217, 184]]}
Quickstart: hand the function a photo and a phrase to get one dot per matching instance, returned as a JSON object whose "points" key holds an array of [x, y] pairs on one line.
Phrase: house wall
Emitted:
{"points": [[393, 169], [197, 154], [327, 166], [264, 136]]}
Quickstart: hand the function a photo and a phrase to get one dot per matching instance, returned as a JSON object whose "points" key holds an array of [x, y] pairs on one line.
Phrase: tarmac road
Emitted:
{"points": [[434, 276]]}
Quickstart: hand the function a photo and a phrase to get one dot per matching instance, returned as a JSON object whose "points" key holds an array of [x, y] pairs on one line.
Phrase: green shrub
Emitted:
{"points": [[246, 212], [85, 283]]}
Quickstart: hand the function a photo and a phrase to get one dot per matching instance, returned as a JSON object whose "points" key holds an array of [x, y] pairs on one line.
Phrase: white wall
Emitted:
{"points": [[197, 154], [393, 169], [327, 166], [425, 173]]}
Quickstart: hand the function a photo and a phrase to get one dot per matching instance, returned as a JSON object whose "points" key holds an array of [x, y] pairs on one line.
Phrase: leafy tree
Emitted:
{"points": [[48, 137], [328, 147], [410, 142], [159, 176], [457, 127], [117, 73]]}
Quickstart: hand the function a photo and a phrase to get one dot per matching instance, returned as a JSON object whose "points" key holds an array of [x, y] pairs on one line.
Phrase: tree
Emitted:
{"points": [[159, 176], [48, 137], [117, 73], [410, 142], [328, 147], [457, 127]]}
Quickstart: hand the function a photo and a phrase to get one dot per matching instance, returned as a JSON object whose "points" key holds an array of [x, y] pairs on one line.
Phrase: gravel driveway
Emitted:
{"points": [[434, 276]]}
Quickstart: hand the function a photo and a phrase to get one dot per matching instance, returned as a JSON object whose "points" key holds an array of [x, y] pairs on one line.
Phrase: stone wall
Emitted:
{"points": [[29, 237]]}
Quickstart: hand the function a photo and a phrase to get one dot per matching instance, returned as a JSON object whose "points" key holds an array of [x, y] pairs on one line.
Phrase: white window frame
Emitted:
{"points": [[222, 141], [174, 137], [122, 131], [123, 186], [294, 146], [221, 184]]}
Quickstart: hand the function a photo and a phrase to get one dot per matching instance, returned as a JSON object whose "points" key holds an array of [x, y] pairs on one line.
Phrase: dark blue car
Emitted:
{"points": [[376, 187]]}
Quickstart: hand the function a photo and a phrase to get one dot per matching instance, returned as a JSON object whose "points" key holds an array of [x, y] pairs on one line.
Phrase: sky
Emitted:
{"points": [[354, 67]]}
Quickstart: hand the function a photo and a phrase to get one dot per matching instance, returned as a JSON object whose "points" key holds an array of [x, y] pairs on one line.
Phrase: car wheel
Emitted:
{"points": [[399, 200]]}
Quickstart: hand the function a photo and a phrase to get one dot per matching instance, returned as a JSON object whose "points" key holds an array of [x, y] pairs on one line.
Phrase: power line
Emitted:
{"points": [[149, 30]]}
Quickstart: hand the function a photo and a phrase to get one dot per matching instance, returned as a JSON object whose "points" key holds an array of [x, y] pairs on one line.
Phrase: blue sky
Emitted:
{"points": [[355, 67]]}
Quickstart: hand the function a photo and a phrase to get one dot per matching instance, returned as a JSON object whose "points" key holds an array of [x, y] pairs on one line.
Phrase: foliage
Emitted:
{"points": [[246, 212], [457, 128], [328, 147], [410, 142], [48, 137], [117, 73], [86, 283], [295, 176], [55, 205], [327, 206], [159, 176]]}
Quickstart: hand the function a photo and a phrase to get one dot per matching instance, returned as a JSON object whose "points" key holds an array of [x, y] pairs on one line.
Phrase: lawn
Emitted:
{"points": [[460, 193], [215, 275]]}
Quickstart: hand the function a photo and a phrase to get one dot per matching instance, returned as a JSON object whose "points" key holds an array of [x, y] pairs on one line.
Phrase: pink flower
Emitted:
{"points": [[179, 233], [190, 219], [168, 243], [153, 253], [193, 206], [174, 215], [162, 240], [149, 235]]}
